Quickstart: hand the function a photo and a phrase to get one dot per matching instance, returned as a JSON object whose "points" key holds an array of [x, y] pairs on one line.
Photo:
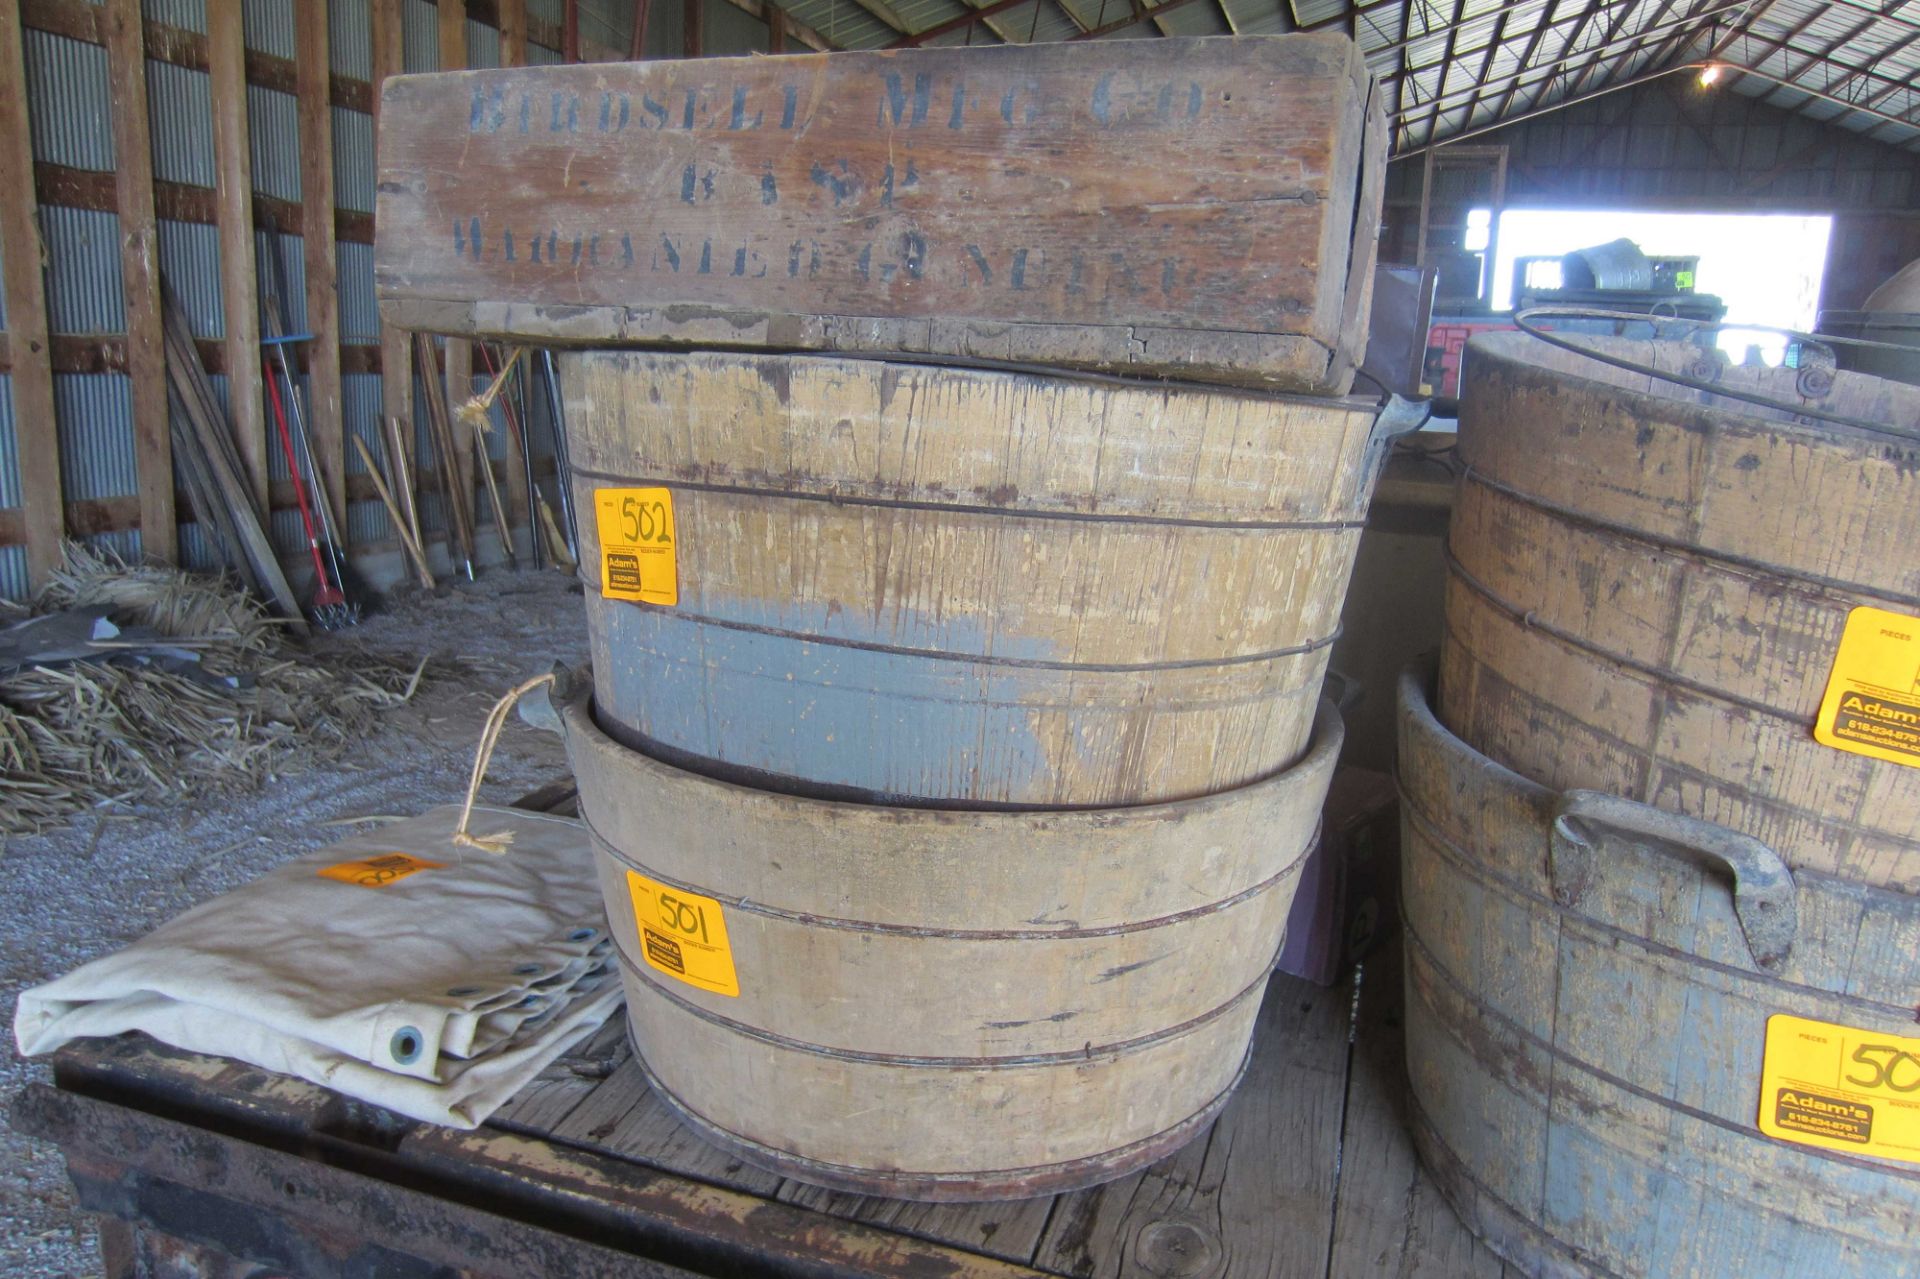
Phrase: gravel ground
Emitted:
{"points": [[115, 876]]}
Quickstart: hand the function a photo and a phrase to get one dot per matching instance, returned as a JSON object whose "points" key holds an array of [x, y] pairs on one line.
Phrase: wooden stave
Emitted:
{"points": [[1253, 557], [1495, 1052], [1135, 1060]]}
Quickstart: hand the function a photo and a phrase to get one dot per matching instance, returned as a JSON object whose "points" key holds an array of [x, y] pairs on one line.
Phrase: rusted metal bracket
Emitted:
{"points": [[1764, 897]]}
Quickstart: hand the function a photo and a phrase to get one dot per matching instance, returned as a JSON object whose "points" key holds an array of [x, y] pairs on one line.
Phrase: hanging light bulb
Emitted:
{"points": [[1710, 74]]}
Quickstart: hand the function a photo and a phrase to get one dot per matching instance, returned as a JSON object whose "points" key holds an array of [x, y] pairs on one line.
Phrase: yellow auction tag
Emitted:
{"points": [[1841, 1088], [1872, 706], [683, 935], [378, 872], [636, 545]]}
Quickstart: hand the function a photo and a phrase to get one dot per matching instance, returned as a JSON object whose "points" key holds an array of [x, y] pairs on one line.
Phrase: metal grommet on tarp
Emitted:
{"points": [[405, 1045]]}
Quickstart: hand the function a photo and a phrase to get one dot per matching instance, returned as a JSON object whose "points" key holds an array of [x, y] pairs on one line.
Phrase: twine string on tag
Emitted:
{"points": [[497, 842]]}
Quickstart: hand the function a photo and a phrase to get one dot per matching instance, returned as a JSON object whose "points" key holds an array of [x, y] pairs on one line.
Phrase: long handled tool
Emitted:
{"points": [[347, 610], [517, 437], [328, 605], [440, 427], [409, 540], [561, 456]]}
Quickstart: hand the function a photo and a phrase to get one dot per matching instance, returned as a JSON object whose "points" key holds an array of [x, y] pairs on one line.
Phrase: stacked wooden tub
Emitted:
{"points": [[954, 740], [1663, 949]]}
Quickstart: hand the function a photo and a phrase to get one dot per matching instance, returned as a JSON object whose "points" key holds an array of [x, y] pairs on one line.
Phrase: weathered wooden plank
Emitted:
{"points": [[452, 15], [396, 357], [1009, 1229], [120, 25], [1253, 1195], [36, 441], [1185, 206], [107, 353], [513, 33], [177, 46], [327, 423], [693, 28], [239, 284], [184, 202], [625, 1117], [569, 1080], [1389, 1217]]}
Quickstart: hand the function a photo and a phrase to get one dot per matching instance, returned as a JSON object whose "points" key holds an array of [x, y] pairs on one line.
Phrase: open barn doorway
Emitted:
{"points": [[1765, 267]]}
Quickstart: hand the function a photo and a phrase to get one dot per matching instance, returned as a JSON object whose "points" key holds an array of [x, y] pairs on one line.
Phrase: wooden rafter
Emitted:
{"points": [[36, 446], [239, 277], [140, 275]]}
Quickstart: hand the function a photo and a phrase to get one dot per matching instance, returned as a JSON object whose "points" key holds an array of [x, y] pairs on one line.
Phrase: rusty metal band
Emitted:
{"points": [[807, 919], [977, 659], [1475, 1008], [964, 508], [1685, 550], [1019, 1061], [1016, 1183]]}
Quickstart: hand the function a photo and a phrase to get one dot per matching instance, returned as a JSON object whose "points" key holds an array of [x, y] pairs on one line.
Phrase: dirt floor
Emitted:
{"points": [[117, 874]]}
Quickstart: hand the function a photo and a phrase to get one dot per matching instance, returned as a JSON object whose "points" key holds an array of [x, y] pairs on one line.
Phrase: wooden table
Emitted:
{"points": [[201, 1166]]}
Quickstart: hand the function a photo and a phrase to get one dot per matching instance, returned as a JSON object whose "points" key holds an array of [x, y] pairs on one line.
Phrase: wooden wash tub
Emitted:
{"points": [[937, 1004]]}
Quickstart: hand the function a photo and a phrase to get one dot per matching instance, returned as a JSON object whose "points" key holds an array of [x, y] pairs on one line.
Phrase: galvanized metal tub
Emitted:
{"points": [[904, 583], [937, 1004], [1588, 987], [1648, 585]]}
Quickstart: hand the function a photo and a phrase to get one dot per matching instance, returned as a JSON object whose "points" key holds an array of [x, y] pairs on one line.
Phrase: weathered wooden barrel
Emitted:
{"points": [[903, 583], [938, 1004], [1648, 587], [1591, 989]]}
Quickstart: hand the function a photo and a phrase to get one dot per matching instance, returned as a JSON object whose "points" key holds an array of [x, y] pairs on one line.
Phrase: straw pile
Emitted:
{"points": [[78, 735]]}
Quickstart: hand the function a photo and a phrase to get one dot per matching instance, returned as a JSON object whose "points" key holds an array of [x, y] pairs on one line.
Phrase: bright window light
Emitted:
{"points": [[1766, 267], [1479, 230]]}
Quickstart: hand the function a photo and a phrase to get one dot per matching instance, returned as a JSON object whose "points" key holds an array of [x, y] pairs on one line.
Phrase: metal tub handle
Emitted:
{"points": [[1763, 887]]}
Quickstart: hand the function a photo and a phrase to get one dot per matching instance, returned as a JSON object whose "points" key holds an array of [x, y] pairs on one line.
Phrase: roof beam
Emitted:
{"points": [[960, 23], [1664, 31], [1683, 29], [1583, 77], [1852, 70], [1905, 122], [795, 29], [1529, 54], [1545, 110], [1553, 25], [1901, 46], [1139, 16], [883, 12], [1637, 37]]}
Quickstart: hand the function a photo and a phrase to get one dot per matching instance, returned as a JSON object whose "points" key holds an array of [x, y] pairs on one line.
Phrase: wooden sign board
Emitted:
{"points": [[1204, 208]]}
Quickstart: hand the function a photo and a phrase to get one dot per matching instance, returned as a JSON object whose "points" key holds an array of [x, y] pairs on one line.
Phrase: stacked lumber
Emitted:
{"points": [[215, 478]]}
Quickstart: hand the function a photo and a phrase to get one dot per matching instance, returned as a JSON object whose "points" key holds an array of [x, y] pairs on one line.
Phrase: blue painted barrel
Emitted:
{"points": [[913, 584], [1590, 988]]}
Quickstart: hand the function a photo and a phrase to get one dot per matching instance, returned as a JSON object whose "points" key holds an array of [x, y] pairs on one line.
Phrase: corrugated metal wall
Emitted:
{"points": [[67, 90], [1662, 145]]}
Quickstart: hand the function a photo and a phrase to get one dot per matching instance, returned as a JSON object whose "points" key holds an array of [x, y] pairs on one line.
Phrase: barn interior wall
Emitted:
{"points": [[1669, 145], [69, 102]]}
